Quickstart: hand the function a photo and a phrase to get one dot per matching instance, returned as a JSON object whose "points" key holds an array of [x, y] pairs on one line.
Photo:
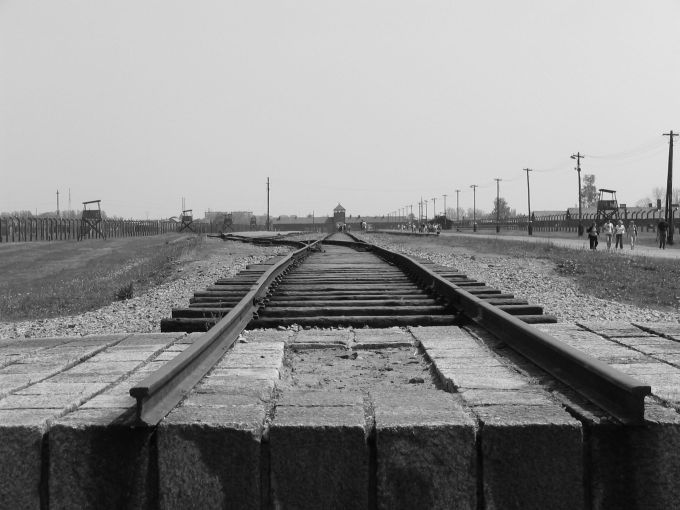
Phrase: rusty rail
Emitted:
{"points": [[617, 393], [159, 393]]}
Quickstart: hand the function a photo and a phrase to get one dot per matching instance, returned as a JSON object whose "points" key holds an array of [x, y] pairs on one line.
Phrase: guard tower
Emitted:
{"points": [[91, 220], [607, 206], [187, 219], [339, 215], [228, 223]]}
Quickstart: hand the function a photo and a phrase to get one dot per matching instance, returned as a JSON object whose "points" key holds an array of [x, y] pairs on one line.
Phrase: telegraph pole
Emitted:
{"points": [[529, 226], [267, 204], [498, 205], [474, 207], [445, 213], [457, 208], [425, 211], [669, 187], [434, 209], [578, 157]]}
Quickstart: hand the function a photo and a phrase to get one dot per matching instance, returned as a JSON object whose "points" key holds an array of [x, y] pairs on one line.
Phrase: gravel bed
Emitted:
{"points": [[143, 313], [532, 279]]}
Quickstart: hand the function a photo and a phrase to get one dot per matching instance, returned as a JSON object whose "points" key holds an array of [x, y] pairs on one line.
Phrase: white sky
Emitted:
{"points": [[372, 104]]}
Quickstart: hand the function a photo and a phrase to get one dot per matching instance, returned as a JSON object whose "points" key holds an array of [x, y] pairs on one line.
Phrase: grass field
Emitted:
{"points": [[42, 280]]}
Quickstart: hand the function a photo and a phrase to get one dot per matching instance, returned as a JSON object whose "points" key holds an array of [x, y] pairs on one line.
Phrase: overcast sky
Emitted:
{"points": [[372, 104]]}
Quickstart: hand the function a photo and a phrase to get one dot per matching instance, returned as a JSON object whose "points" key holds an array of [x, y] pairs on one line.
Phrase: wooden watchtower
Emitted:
{"points": [[187, 219], [91, 220], [607, 206]]}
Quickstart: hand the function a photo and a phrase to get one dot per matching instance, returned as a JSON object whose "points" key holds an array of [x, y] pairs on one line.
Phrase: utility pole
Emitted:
{"points": [[57, 203], [425, 211], [474, 207], [578, 157], [457, 209], [434, 209], [529, 226], [669, 187], [498, 205], [445, 213], [267, 204]]}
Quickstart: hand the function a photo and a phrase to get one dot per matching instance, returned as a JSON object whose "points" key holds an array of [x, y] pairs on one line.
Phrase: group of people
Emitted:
{"points": [[619, 230], [610, 231]]}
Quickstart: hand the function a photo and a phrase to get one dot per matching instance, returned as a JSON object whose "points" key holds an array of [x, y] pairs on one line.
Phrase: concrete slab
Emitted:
{"points": [[321, 339], [210, 457], [612, 329], [267, 335], [319, 454], [426, 453], [210, 449], [381, 338], [96, 464], [532, 457], [527, 439], [667, 329], [22, 484]]}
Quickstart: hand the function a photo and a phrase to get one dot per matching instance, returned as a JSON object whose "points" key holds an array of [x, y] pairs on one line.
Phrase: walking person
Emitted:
{"points": [[661, 229], [619, 230], [592, 236], [609, 232], [632, 234]]}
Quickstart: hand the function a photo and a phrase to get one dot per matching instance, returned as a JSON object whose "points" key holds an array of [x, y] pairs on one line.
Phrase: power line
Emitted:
{"points": [[650, 145]]}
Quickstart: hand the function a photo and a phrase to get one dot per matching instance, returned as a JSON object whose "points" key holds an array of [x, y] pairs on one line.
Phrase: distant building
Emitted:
{"points": [[339, 215]]}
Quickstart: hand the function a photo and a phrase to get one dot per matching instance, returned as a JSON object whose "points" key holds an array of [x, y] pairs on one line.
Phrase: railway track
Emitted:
{"points": [[340, 282]]}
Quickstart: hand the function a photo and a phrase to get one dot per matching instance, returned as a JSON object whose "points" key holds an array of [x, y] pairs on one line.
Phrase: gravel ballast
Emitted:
{"points": [[532, 279]]}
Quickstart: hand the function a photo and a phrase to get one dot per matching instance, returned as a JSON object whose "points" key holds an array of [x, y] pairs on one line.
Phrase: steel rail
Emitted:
{"points": [[159, 393], [617, 393]]}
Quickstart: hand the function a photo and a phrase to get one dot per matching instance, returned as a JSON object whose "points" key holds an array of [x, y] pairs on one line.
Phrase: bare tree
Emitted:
{"points": [[658, 193]]}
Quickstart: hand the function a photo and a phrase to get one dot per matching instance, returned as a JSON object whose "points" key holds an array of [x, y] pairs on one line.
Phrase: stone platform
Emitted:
{"points": [[481, 429]]}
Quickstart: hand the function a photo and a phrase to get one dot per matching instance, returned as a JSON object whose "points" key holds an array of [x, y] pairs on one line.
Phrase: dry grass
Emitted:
{"points": [[42, 280]]}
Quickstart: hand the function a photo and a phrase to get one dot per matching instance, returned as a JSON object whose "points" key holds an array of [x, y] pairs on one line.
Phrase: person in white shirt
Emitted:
{"points": [[608, 232], [619, 231]]}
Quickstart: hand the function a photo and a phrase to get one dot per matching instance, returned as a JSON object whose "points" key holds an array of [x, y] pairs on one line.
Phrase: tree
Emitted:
{"points": [[503, 209], [469, 213], [659, 193], [589, 191]]}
